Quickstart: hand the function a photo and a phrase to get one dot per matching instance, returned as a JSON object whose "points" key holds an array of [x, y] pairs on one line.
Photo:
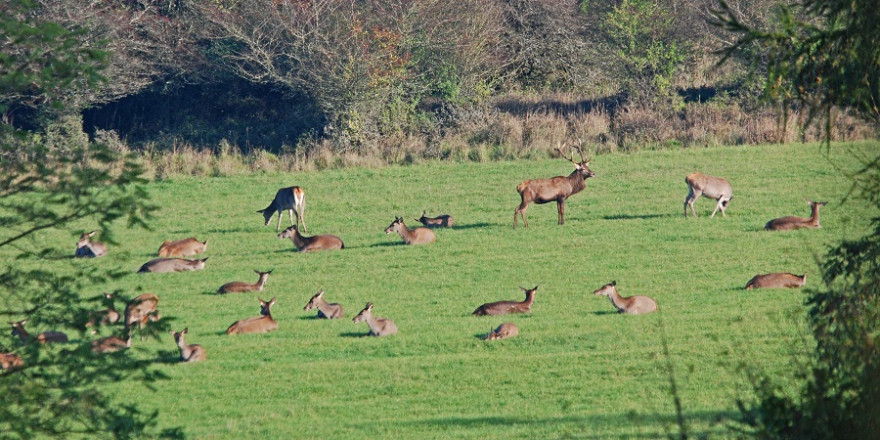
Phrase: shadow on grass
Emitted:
{"points": [[606, 312], [387, 244], [636, 216], [470, 226], [167, 357], [354, 334]]}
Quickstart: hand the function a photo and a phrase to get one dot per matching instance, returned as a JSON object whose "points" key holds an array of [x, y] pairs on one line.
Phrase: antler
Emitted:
{"points": [[563, 154]]}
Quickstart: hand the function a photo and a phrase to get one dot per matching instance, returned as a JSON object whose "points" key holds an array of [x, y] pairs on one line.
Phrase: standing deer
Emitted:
{"points": [[776, 281], [325, 310], [188, 353], [634, 305], [182, 248], [313, 243], [86, 248], [260, 324], [557, 189], [441, 221], [239, 286], [506, 330], [712, 187], [292, 200], [420, 235], [506, 307], [791, 222], [10, 361], [378, 326], [141, 309], [104, 317], [44, 337], [164, 265]]}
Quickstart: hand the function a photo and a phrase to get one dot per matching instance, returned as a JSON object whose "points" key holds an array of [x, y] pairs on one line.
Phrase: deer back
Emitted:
{"points": [[710, 186], [259, 324], [325, 310], [634, 305], [507, 307], [182, 248], [378, 326], [420, 235], [165, 265], [777, 281], [441, 221], [188, 352]]}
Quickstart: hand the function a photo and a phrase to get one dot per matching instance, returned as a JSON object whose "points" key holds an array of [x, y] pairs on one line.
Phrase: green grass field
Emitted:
{"points": [[577, 370]]}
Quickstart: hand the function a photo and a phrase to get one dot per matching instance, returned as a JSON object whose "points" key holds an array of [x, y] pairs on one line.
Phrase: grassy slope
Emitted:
{"points": [[576, 370]]}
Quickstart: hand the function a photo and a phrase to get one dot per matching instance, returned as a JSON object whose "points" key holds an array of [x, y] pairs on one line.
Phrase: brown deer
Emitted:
{"points": [[260, 324], [506, 330], [165, 265], [313, 243], [441, 221], [420, 235], [634, 305], [43, 338], [378, 326], [506, 307], [239, 286], [292, 200], [10, 361], [182, 248], [776, 281], [142, 309], [111, 344], [557, 189], [325, 310], [714, 188], [86, 248], [104, 317], [791, 222], [188, 353]]}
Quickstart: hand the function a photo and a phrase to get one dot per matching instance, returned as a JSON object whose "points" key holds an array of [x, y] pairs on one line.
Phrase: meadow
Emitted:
{"points": [[577, 369]]}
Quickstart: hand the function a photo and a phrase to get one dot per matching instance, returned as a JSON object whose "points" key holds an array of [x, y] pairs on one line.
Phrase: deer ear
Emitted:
{"points": [[92, 234], [614, 283]]}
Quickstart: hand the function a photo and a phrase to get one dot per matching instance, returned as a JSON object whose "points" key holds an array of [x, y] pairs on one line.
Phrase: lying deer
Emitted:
{"points": [[378, 326], [164, 265], [188, 353], [44, 337], [789, 223], [420, 235], [182, 248], [325, 310], [313, 243], [141, 309], [292, 200], [506, 307], [634, 305], [506, 330], [714, 188], [776, 281], [260, 324], [86, 248], [104, 317], [441, 221], [556, 189], [239, 286], [10, 361], [111, 344]]}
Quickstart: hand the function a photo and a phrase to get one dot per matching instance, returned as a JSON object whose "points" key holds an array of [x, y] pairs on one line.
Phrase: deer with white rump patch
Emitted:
{"points": [[506, 307], [378, 326], [260, 324], [325, 309], [504, 331], [191, 352], [776, 281], [557, 189], [712, 187], [420, 235], [791, 222], [239, 286], [292, 200], [634, 305], [86, 248]]}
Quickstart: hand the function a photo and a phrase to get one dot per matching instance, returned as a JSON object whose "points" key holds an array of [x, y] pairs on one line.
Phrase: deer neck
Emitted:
{"points": [[23, 334], [324, 307], [616, 300], [530, 298], [298, 240], [261, 282], [576, 180], [373, 323], [814, 217], [405, 233]]}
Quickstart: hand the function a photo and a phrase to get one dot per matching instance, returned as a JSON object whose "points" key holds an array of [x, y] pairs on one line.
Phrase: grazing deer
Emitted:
{"points": [[188, 353], [325, 310], [789, 223], [182, 248], [111, 344], [557, 189], [634, 305], [776, 281], [313, 243], [712, 187], [506, 330], [506, 307], [86, 248], [164, 265], [378, 326], [104, 317], [10, 361], [142, 309], [44, 337], [292, 200], [260, 324], [420, 235], [238, 286], [441, 221]]}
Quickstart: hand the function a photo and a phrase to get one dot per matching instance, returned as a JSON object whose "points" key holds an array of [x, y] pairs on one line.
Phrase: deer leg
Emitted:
{"points": [[290, 214], [521, 210], [301, 215], [718, 206], [560, 207], [278, 226], [689, 201]]}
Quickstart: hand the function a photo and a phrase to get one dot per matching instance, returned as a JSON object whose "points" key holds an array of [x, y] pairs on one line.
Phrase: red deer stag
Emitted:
{"points": [[165, 265], [260, 324], [378, 326], [10, 361], [712, 187], [789, 223], [313, 243], [239, 286], [188, 353], [506, 307], [557, 189], [292, 200], [506, 330], [776, 281], [634, 305], [86, 248], [441, 221], [325, 310], [420, 235], [44, 337], [182, 248], [142, 309]]}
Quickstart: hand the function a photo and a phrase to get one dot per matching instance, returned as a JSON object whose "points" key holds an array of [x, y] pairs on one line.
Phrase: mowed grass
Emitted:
{"points": [[577, 370]]}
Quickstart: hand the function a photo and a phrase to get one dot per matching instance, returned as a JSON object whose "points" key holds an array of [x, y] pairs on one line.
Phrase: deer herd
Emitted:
{"points": [[172, 257]]}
